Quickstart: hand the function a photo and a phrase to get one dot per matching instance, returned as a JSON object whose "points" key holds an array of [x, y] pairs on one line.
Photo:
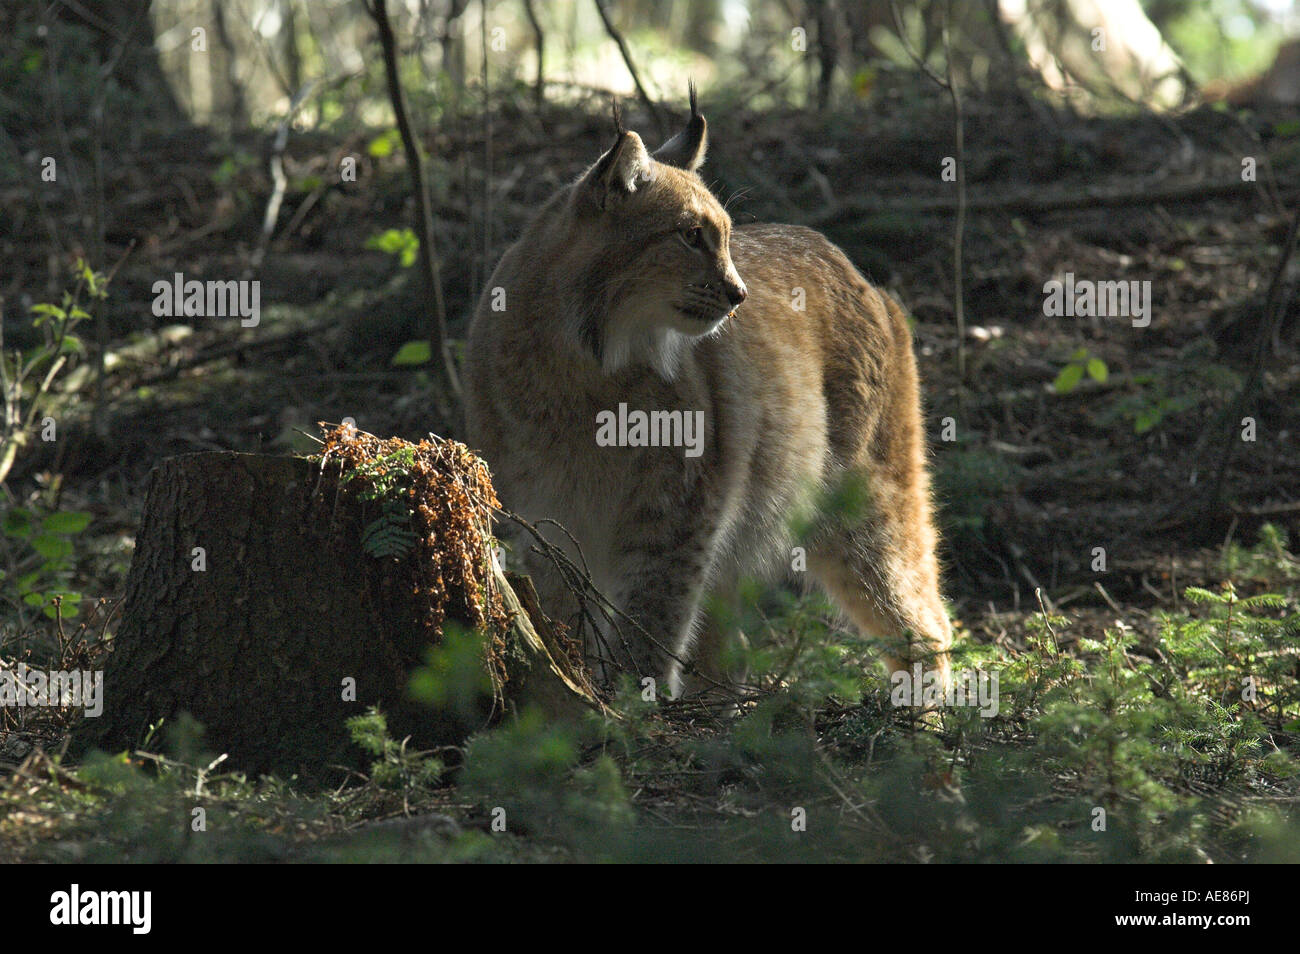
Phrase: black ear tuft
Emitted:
{"points": [[686, 150]]}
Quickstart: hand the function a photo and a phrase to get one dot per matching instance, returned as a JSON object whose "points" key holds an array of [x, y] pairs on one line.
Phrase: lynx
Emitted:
{"points": [[631, 293]]}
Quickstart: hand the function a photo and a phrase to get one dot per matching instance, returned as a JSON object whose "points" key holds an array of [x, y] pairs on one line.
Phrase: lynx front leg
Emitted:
{"points": [[663, 565], [716, 668]]}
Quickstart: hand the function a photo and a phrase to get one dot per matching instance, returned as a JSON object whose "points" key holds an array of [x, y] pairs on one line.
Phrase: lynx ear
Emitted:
{"points": [[686, 149], [619, 171]]}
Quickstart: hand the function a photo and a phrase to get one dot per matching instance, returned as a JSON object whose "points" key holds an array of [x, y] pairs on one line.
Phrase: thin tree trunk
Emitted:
{"points": [[487, 142], [827, 50], [539, 39], [440, 353]]}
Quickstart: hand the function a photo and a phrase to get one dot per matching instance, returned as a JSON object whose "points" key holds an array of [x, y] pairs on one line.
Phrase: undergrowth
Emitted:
{"points": [[1173, 740]]}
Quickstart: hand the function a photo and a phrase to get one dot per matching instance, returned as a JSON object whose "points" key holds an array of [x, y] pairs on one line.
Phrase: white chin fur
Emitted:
{"points": [[659, 340], [661, 348]]}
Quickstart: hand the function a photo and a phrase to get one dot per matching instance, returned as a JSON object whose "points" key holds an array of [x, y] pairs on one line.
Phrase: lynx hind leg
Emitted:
{"points": [[884, 575]]}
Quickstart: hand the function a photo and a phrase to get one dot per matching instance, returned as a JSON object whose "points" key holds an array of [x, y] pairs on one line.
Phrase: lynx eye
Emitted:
{"points": [[693, 237]]}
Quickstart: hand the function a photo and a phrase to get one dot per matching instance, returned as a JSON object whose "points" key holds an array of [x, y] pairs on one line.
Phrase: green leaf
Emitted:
{"points": [[400, 242], [46, 311], [51, 547], [1097, 370], [392, 240], [1146, 419], [1068, 379], [67, 522], [382, 146], [413, 352], [71, 604], [863, 81], [94, 281], [386, 241], [18, 523]]}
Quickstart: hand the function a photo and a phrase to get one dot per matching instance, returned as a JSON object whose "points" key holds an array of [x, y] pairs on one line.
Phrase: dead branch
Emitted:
{"points": [[592, 602], [1028, 202], [279, 180], [617, 37], [208, 355]]}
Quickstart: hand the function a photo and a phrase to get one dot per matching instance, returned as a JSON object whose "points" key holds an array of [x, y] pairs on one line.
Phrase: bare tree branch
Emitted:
{"points": [[655, 113]]}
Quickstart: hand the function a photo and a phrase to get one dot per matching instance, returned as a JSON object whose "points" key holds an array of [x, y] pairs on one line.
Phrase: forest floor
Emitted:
{"points": [[1077, 506]]}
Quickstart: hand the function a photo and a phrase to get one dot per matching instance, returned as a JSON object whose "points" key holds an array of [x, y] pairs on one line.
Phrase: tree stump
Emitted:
{"points": [[253, 604]]}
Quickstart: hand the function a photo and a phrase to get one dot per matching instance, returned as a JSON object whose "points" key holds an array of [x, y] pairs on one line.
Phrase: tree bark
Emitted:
{"points": [[258, 643]]}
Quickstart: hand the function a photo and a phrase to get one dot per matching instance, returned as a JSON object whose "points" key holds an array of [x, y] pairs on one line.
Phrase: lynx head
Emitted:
{"points": [[653, 244]]}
